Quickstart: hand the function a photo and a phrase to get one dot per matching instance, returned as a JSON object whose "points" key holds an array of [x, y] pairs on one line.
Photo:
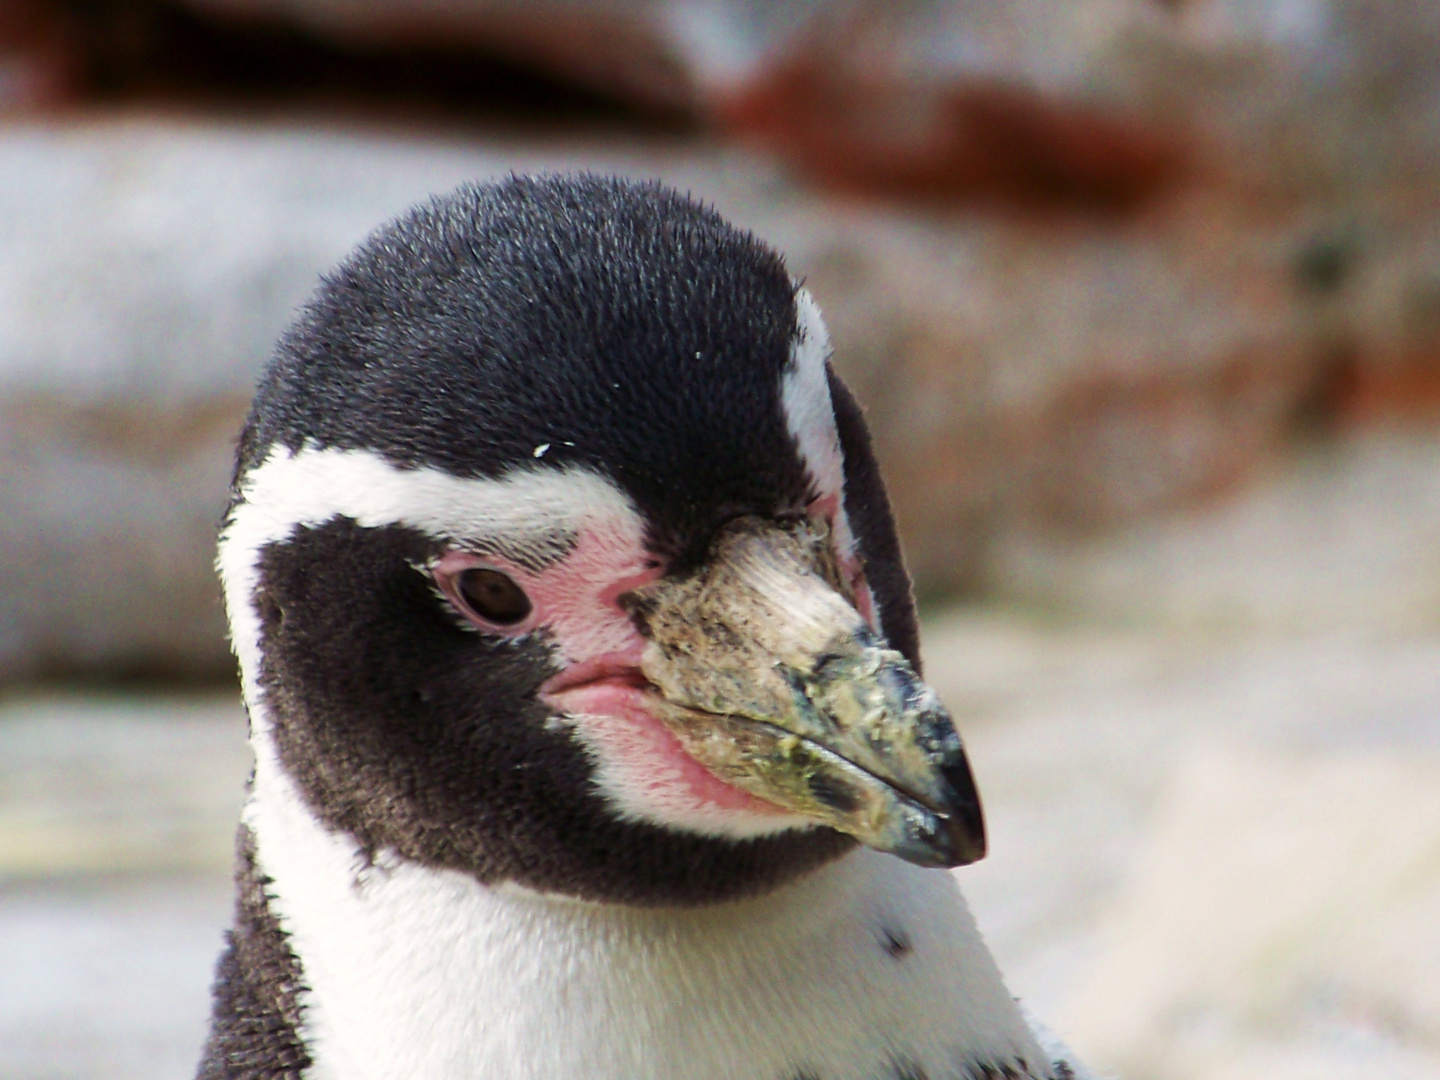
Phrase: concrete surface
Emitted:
{"points": [[1280, 921]]}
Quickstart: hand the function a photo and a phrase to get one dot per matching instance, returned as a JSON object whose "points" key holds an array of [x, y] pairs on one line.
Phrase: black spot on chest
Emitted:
{"points": [[896, 942]]}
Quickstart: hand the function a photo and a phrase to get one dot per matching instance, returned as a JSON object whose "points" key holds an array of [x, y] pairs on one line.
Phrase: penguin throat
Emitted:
{"points": [[415, 972]]}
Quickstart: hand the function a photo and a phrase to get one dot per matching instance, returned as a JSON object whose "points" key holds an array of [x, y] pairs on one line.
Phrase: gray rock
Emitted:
{"points": [[1075, 374]]}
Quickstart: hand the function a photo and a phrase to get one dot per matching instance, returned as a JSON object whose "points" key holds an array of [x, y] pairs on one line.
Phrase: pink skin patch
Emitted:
{"points": [[645, 760], [640, 765]]}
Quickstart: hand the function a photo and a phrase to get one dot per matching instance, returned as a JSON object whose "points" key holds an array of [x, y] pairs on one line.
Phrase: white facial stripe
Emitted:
{"points": [[313, 486], [810, 414]]}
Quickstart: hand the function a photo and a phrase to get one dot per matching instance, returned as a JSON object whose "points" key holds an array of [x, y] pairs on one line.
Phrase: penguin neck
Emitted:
{"points": [[866, 969]]}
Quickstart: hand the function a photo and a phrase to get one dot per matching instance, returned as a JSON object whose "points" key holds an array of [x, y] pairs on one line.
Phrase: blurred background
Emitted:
{"points": [[1142, 298]]}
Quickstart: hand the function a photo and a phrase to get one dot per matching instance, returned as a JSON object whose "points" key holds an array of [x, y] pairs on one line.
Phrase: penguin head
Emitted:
{"points": [[557, 555]]}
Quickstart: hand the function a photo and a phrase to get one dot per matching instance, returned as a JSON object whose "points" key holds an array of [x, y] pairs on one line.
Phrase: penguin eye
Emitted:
{"points": [[493, 596]]}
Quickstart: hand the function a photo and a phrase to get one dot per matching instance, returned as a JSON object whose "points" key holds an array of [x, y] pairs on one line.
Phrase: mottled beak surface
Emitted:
{"points": [[772, 680]]}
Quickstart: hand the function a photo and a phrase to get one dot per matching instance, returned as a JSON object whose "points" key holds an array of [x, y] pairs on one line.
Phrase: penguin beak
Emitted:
{"points": [[772, 680]]}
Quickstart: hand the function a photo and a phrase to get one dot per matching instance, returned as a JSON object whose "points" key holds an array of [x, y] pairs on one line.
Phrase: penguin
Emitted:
{"points": [[583, 679]]}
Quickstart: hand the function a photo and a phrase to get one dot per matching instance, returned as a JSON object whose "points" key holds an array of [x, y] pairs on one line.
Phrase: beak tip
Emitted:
{"points": [[968, 842], [945, 842], [964, 840]]}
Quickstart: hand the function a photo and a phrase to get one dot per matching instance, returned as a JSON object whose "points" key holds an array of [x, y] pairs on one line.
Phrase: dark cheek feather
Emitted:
{"points": [[420, 737]]}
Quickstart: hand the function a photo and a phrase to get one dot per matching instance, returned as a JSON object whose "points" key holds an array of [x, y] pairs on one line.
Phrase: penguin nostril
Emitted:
{"points": [[493, 596]]}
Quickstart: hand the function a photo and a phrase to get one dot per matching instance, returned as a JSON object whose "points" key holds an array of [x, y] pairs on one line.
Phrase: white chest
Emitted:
{"points": [[870, 968]]}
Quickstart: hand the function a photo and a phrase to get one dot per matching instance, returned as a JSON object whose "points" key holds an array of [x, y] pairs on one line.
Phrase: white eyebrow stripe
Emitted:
{"points": [[810, 414], [314, 485]]}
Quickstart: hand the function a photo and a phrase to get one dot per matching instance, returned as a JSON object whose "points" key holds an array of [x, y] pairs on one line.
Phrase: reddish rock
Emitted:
{"points": [[1096, 102], [948, 100], [850, 107], [39, 63], [1398, 389], [1113, 450]]}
